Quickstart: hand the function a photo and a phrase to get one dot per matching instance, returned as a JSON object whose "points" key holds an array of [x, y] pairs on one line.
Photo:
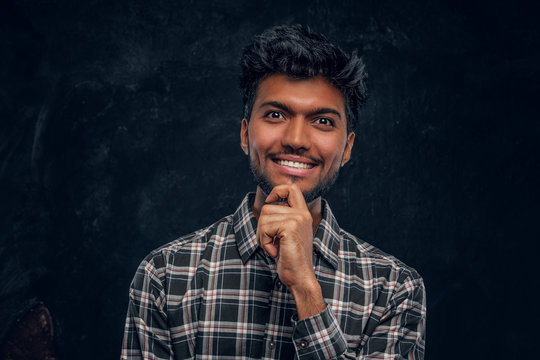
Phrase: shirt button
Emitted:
{"points": [[271, 344], [303, 344], [279, 283]]}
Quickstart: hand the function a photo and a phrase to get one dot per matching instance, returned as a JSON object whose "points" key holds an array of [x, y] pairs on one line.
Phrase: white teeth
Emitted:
{"points": [[294, 164]]}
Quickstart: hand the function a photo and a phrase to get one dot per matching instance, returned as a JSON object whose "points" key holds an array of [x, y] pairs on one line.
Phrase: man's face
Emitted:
{"points": [[297, 133]]}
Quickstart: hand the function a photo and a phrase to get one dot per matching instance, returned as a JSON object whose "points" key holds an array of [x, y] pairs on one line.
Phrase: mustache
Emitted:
{"points": [[297, 153]]}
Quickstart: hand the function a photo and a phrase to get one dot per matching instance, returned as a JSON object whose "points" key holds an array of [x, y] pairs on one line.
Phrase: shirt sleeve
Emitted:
{"points": [[146, 334], [318, 336], [400, 333]]}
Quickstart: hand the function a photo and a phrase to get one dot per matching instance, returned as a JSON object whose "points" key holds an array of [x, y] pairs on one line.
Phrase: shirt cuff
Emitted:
{"points": [[318, 337]]}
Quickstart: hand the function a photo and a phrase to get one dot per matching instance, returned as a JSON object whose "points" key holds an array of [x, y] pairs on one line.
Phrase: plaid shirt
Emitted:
{"points": [[215, 294]]}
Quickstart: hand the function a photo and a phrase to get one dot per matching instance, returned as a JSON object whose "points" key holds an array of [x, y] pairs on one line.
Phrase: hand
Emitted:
{"points": [[285, 232]]}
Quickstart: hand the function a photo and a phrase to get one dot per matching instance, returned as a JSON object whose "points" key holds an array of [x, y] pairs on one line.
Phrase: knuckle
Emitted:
{"points": [[291, 222], [278, 187], [297, 219]]}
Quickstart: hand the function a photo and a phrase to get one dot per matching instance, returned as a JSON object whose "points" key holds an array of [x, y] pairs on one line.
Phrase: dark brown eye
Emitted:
{"points": [[274, 115], [324, 121]]}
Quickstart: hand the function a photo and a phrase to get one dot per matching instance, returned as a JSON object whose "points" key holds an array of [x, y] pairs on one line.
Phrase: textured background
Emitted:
{"points": [[119, 132]]}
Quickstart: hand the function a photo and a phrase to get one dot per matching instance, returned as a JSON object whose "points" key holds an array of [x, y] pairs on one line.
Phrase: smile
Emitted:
{"points": [[294, 164]]}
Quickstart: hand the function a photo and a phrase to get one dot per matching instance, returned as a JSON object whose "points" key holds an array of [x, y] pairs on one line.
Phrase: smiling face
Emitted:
{"points": [[297, 133]]}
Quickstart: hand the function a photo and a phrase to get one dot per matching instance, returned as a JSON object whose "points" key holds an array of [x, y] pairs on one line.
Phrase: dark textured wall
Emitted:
{"points": [[119, 132]]}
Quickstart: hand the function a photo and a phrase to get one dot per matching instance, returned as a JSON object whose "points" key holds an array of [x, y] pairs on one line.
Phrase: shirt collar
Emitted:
{"points": [[245, 228], [327, 236], [325, 240]]}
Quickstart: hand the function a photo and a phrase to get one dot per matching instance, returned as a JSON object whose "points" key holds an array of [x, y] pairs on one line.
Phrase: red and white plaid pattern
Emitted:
{"points": [[214, 294]]}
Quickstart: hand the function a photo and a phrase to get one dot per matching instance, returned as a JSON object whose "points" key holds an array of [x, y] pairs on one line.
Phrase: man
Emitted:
{"points": [[279, 279]]}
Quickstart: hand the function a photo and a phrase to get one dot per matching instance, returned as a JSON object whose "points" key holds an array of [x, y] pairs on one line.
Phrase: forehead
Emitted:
{"points": [[300, 94]]}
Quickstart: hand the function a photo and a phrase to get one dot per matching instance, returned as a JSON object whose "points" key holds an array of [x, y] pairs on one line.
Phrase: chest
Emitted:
{"points": [[244, 311]]}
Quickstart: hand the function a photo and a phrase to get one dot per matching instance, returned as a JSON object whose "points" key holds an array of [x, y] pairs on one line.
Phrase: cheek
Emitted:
{"points": [[261, 140], [332, 150], [256, 148]]}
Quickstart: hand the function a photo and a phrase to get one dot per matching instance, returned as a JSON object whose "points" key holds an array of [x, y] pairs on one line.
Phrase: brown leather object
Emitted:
{"points": [[31, 337]]}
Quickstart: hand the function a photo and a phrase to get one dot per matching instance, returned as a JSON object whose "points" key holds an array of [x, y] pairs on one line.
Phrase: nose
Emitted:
{"points": [[296, 135]]}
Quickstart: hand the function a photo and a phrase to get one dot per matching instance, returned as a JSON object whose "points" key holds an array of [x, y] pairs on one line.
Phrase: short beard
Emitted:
{"points": [[266, 186]]}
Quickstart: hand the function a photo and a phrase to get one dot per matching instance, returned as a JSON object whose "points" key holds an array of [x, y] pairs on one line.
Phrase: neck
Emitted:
{"points": [[314, 207]]}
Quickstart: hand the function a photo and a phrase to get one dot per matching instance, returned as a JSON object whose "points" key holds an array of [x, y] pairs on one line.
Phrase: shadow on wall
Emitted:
{"points": [[31, 337]]}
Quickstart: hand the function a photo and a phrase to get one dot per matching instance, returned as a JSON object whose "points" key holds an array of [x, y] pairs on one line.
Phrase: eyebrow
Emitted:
{"points": [[317, 111]]}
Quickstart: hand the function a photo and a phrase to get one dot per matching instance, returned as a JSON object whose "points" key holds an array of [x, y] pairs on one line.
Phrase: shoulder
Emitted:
{"points": [[394, 285], [185, 251], [381, 265], [395, 290]]}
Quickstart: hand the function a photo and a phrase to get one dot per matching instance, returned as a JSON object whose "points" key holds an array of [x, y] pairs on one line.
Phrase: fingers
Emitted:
{"points": [[284, 225], [270, 209], [269, 244], [269, 234], [292, 193], [276, 226], [285, 215]]}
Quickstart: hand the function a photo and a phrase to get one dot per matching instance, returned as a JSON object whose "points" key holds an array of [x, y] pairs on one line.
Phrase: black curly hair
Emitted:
{"points": [[298, 52]]}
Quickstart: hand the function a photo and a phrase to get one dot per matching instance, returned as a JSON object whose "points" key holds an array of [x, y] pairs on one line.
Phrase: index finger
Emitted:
{"points": [[292, 193]]}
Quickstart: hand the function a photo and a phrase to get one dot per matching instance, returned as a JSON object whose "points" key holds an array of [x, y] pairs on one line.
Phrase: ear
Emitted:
{"points": [[348, 148], [244, 142]]}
